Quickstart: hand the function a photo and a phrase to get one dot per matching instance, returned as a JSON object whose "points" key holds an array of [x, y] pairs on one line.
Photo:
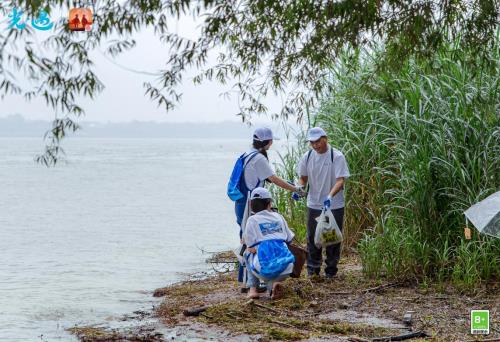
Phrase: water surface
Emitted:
{"points": [[90, 240]]}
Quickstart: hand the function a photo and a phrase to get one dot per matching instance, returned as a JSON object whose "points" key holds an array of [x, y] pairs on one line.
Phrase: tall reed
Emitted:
{"points": [[423, 144]]}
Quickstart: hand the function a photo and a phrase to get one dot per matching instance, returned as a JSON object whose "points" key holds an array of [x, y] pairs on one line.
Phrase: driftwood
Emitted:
{"points": [[341, 293], [282, 323], [195, 311], [371, 289], [357, 339], [252, 302], [380, 287], [401, 337]]}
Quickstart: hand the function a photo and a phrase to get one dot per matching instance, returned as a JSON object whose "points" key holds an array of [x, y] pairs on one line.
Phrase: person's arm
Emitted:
{"points": [[281, 183], [302, 181], [339, 185], [302, 172], [342, 172]]}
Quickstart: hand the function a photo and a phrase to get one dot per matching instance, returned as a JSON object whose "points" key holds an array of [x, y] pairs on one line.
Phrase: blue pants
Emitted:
{"points": [[253, 281], [239, 208]]}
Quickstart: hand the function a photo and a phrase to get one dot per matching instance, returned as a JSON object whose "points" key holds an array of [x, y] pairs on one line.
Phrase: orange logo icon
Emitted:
{"points": [[80, 19]]}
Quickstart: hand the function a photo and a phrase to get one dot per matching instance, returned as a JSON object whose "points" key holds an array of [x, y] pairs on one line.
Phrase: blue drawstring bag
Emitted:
{"points": [[273, 257], [236, 189]]}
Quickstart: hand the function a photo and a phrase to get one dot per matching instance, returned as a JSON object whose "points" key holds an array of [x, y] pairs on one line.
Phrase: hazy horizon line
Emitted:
{"points": [[86, 121]]}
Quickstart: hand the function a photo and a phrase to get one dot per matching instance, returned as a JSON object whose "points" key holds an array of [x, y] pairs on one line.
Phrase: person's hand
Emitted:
{"points": [[252, 250], [328, 202], [298, 193], [299, 190]]}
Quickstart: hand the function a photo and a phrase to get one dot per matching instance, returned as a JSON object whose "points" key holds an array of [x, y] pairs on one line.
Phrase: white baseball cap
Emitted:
{"points": [[315, 133], [263, 133], [260, 193]]}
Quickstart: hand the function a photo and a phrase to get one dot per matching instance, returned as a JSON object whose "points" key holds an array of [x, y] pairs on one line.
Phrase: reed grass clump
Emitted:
{"points": [[423, 144]]}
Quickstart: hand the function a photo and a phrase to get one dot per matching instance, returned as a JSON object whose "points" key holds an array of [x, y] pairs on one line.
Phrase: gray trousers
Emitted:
{"points": [[314, 257]]}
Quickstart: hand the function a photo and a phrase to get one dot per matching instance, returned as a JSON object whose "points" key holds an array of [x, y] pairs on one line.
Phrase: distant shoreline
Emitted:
{"points": [[17, 126]]}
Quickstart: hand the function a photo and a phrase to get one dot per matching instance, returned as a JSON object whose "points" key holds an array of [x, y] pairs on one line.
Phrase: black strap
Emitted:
{"points": [[308, 155], [310, 151]]}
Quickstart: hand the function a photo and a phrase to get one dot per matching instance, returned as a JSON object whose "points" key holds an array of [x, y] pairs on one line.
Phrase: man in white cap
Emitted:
{"points": [[325, 169]]}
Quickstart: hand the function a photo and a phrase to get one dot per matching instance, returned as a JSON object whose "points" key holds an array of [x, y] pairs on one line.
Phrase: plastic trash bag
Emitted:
{"points": [[272, 259], [327, 230], [485, 215], [239, 255]]}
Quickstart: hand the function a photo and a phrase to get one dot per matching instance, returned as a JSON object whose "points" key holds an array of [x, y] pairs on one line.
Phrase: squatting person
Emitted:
{"points": [[267, 236]]}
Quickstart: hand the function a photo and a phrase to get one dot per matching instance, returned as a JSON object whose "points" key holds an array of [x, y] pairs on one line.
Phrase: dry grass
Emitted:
{"points": [[303, 312]]}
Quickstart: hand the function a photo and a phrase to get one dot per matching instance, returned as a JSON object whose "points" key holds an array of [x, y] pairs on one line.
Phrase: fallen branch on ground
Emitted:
{"points": [[282, 323], [253, 302], [380, 287], [356, 339], [401, 337], [195, 311]]}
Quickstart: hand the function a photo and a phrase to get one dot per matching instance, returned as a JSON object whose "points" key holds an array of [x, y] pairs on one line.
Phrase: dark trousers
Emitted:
{"points": [[314, 257], [239, 209]]}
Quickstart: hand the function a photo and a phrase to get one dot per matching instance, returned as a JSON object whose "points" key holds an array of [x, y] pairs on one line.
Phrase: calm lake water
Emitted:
{"points": [[91, 239]]}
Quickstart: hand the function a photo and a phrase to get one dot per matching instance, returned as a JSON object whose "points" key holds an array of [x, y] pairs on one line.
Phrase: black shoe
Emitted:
{"points": [[330, 276], [261, 288], [312, 274], [244, 289]]}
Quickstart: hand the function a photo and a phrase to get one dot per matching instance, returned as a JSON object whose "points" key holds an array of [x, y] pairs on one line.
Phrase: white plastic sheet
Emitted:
{"points": [[485, 215]]}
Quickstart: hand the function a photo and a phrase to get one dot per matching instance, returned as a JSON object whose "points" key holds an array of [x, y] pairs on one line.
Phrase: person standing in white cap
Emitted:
{"points": [[257, 171], [325, 169]]}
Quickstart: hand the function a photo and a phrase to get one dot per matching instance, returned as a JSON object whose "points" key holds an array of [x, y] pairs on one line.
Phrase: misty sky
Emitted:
{"points": [[123, 98]]}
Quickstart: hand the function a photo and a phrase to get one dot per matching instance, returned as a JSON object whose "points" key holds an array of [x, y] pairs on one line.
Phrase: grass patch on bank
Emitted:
{"points": [[351, 305], [292, 317], [254, 320]]}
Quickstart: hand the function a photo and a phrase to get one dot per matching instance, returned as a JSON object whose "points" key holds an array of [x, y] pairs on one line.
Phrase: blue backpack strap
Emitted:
{"points": [[243, 184], [251, 155]]}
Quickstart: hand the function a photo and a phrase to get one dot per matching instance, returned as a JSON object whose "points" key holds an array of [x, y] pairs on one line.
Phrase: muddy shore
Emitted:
{"points": [[347, 308]]}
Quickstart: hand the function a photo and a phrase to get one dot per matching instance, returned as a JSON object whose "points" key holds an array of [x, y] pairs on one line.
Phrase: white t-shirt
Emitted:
{"points": [[257, 170], [266, 225], [322, 175]]}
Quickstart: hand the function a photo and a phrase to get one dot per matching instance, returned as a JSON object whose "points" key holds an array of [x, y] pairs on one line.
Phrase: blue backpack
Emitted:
{"points": [[236, 188], [274, 258]]}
